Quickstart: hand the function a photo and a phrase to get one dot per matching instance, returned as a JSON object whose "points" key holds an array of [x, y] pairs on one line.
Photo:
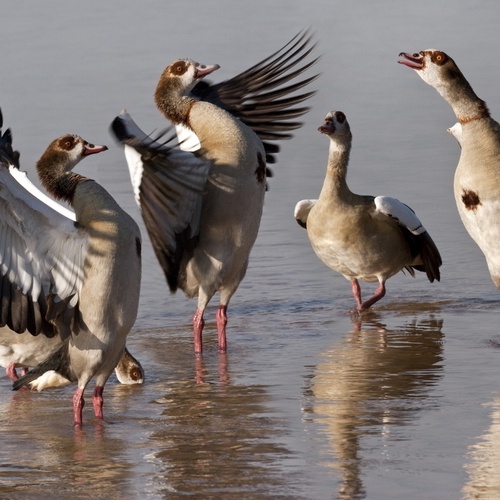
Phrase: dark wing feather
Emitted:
{"points": [[19, 311], [170, 194], [263, 96]]}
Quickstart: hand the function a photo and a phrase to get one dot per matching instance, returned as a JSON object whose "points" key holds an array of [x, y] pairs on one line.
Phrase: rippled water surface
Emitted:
{"points": [[307, 404]]}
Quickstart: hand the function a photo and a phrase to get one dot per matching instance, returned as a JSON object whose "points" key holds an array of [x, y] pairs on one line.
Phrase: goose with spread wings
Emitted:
{"points": [[73, 275], [202, 202]]}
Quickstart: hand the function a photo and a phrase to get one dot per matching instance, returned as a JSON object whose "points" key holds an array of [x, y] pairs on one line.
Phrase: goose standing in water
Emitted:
{"points": [[477, 177], [363, 237], [76, 279], [202, 209]]}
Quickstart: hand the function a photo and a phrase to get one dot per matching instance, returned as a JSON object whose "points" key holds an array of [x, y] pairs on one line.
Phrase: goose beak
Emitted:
{"points": [[203, 70], [413, 61], [91, 149], [328, 127]]}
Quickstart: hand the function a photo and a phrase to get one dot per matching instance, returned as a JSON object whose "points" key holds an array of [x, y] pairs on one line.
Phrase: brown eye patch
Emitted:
{"points": [[340, 116], [67, 142], [178, 68], [439, 57]]}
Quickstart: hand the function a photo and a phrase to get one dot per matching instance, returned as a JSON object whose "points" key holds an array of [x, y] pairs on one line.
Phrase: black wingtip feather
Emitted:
{"points": [[7, 153]]}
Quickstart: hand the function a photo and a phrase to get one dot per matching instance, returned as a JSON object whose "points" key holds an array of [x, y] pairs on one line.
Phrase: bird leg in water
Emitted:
{"points": [[198, 324], [221, 318], [356, 291], [11, 372], [98, 401], [379, 293], [78, 404]]}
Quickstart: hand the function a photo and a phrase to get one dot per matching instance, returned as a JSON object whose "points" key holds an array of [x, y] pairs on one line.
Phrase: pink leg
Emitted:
{"points": [[356, 291], [78, 404], [379, 293], [11, 372], [221, 318], [98, 401], [198, 324]]}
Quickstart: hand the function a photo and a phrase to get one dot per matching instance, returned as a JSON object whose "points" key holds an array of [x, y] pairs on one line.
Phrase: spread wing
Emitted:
{"points": [[265, 97], [168, 185], [41, 253]]}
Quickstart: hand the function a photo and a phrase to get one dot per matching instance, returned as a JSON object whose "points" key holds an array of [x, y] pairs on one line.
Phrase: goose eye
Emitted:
{"points": [[440, 58], [179, 68], [67, 143]]}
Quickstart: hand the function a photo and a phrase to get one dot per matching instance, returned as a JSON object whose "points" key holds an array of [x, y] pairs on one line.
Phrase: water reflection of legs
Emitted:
{"points": [[223, 375], [370, 319], [200, 370]]}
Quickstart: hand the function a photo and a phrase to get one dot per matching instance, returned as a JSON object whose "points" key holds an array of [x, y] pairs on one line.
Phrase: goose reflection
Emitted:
{"points": [[372, 383], [484, 479], [221, 440], [88, 462]]}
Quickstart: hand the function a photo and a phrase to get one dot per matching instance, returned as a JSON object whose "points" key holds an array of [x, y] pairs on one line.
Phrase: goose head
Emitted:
{"points": [[336, 127], [177, 80], [435, 67], [185, 73], [60, 157]]}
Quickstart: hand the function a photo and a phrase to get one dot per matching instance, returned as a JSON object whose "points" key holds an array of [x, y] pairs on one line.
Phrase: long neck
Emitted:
{"points": [[466, 105], [335, 184], [172, 103], [58, 182]]}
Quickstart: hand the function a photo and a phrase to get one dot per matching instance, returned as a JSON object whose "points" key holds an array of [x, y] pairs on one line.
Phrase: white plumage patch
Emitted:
{"points": [[188, 140], [135, 168], [49, 380], [400, 212], [302, 209], [22, 178]]}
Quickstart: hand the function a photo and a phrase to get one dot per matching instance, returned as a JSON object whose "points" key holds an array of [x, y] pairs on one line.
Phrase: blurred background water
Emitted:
{"points": [[306, 404]]}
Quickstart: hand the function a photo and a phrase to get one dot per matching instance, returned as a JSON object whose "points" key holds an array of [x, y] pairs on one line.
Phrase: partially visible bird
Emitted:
{"points": [[76, 276], [477, 177], [202, 208], [24, 350], [363, 237]]}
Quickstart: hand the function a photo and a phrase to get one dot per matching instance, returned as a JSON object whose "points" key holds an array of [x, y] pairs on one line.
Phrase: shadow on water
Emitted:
{"points": [[374, 382]]}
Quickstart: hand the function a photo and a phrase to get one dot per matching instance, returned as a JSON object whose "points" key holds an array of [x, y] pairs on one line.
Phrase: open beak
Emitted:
{"points": [[328, 126], [413, 61]]}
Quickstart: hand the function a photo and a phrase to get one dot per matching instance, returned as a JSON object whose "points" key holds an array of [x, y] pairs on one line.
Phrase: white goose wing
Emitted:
{"points": [[301, 211], [41, 252], [399, 212], [169, 185]]}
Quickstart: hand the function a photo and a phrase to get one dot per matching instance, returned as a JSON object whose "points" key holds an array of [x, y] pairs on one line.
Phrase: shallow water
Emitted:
{"points": [[307, 403]]}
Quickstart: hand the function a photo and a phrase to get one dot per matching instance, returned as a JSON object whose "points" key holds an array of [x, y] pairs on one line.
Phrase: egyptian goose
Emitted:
{"points": [[202, 208], [363, 237], [477, 177], [77, 279], [24, 350]]}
